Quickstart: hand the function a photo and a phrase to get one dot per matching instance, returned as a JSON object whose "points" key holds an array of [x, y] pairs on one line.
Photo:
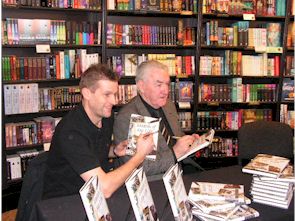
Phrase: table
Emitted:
{"points": [[71, 207]]}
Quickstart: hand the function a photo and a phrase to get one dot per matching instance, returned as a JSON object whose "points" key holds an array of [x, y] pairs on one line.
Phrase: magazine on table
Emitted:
{"points": [[200, 143], [140, 196], [177, 195], [94, 202], [142, 125]]}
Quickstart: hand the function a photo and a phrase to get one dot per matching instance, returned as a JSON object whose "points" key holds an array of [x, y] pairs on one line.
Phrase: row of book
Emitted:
{"points": [[287, 116], [185, 120], [235, 63], [241, 34], [220, 147], [17, 164], [159, 5], [59, 98], [38, 131], [126, 64], [273, 180], [37, 31], [236, 7], [119, 34], [61, 65], [76, 4], [237, 92], [230, 120]]}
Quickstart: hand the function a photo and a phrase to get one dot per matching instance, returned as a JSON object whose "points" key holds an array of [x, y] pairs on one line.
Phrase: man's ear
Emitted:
{"points": [[140, 86], [85, 93]]}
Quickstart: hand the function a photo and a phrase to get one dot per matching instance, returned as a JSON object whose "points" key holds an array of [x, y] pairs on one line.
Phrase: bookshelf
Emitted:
{"points": [[124, 35]]}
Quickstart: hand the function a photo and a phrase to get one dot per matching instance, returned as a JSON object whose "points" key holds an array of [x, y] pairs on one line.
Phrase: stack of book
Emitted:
{"points": [[218, 201], [273, 180]]}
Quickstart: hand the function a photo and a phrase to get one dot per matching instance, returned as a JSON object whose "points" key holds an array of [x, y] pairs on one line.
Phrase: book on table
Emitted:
{"points": [[140, 196], [216, 191], [93, 200], [241, 212], [286, 177], [177, 195], [142, 125], [266, 165], [200, 143]]}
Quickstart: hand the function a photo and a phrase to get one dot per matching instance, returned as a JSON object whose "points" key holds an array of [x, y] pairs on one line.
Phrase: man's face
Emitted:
{"points": [[102, 100], [155, 87]]}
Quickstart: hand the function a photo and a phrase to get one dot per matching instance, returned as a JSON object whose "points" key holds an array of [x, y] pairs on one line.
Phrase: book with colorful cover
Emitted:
{"points": [[42, 30], [142, 125], [288, 89], [185, 91], [140, 196], [94, 202], [216, 191], [26, 31], [200, 143], [266, 165], [177, 194]]}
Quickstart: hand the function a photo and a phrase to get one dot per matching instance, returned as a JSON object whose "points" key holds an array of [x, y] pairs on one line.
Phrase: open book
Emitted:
{"points": [[94, 202], [266, 165], [140, 196], [177, 194], [203, 141], [142, 125]]}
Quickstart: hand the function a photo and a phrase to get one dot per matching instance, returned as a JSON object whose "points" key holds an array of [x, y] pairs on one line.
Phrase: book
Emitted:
{"points": [[284, 204], [200, 143], [207, 205], [93, 200], [216, 191], [140, 196], [142, 125], [266, 165], [288, 89], [242, 212], [286, 176], [177, 195]]}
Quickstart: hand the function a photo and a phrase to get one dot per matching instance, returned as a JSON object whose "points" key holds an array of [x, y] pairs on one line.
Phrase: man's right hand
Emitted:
{"points": [[145, 145]]}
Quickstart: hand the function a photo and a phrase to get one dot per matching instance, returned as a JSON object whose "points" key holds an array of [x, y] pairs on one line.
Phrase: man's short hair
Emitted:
{"points": [[141, 70], [95, 73]]}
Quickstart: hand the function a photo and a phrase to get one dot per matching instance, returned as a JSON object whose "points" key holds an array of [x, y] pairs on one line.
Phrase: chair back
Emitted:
{"points": [[32, 187], [268, 137]]}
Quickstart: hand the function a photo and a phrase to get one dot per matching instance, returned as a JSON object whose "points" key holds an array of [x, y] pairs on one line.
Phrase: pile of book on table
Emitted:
{"points": [[273, 180], [218, 201]]}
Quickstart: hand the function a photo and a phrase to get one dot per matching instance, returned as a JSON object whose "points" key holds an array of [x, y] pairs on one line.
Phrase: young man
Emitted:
{"points": [[81, 143], [153, 82]]}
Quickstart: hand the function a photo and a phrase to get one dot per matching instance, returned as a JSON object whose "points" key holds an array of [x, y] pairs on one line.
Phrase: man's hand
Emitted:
{"points": [[145, 145], [183, 145], [120, 149]]}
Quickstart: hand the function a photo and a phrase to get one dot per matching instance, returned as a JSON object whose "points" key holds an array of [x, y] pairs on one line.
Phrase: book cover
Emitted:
{"points": [[94, 202], [288, 89], [216, 191], [42, 30], [266, 165], [185, 91], [177, 194], [26, 31], [200, 143], [287, 176], [140, 196], [273, 34], [142, 125], [242, 212]]}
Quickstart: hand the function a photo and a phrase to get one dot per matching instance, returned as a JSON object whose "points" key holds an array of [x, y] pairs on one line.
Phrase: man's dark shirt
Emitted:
{"points": [[77, 146]]}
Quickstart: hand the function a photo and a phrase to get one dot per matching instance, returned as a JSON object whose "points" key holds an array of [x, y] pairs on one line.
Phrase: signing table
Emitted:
{"points": [[71, 207]]}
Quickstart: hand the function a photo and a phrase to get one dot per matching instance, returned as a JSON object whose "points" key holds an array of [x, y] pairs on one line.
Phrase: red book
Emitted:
{"points": [[277, 66], [12, 67], [57, 66]]}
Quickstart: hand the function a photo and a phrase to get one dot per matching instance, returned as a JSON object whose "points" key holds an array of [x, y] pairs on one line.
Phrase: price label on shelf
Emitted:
{"points": [[278, 50], [184, 105], [46, 146], [43, 48], [249, 17]]}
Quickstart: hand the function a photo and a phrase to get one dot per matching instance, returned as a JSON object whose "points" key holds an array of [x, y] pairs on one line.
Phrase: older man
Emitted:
{"points": [[153, 81]]}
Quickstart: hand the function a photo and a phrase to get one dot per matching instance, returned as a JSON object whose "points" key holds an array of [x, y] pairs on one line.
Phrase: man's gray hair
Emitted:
{"points": [[143, 68]]}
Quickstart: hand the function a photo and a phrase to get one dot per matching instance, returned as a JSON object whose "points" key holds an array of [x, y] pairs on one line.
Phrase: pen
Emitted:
{"points": [[148, 134], [176, 137]]}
